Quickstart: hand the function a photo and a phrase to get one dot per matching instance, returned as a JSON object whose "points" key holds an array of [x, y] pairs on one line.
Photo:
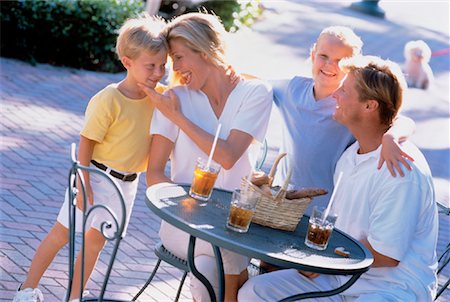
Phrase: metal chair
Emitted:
{"points": [[444, 259], [164, 255], [113, 224]]}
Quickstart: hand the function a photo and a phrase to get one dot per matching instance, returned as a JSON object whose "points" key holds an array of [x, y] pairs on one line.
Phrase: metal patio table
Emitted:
{"points": [[207, 221]]}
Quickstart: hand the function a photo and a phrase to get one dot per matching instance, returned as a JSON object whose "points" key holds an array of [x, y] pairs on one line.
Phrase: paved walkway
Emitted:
{"points": [[42, 112]]}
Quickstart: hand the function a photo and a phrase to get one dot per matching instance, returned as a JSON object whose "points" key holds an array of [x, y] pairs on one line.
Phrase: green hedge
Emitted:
{"points": [[234, 14], [82, 33], [79, 34]]}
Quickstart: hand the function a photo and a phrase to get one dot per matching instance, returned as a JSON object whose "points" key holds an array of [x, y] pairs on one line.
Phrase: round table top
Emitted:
{"points": [[207, 220]]}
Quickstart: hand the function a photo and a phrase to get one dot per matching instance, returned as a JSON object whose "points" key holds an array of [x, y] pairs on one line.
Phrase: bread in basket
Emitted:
{"points": [[282, 210]]}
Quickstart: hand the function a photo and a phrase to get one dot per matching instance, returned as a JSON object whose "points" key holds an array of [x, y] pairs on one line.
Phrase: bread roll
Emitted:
{"points": [[305, 192]]}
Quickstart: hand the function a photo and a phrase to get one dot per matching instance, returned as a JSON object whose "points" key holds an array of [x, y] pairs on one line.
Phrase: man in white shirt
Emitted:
{"points": [[395, 218]]}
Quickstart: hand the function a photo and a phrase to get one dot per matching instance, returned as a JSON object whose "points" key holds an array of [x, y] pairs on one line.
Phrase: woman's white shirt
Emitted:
{"points": [[247, 109]]}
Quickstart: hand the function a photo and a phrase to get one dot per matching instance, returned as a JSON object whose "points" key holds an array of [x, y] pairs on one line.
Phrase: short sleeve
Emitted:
{"points": [[280, 88], [162, 126], [98, 116], [395, 206], [253, 116]]}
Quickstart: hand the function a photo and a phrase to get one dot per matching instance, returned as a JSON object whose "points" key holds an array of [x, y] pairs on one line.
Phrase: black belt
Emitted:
{"points": [[118, 175]]}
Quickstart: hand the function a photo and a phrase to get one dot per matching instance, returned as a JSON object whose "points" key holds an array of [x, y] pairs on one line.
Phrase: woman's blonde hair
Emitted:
{"points": [[143, 33], [202, 32], [346, 35], [380, 80]]}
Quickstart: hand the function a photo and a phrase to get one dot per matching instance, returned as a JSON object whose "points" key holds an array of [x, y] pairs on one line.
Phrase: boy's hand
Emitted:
{"points": [[89, 195], [392, 154]]}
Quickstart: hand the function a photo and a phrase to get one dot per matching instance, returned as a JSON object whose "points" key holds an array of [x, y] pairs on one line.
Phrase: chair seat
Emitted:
{"points": [[166, 256]]}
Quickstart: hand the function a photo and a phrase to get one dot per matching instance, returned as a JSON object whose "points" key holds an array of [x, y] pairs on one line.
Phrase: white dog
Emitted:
{"points": [[417, 71]]}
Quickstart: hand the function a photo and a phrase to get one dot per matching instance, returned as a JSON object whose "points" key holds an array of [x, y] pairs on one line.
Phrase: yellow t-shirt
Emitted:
{"points": [[121, 128]]}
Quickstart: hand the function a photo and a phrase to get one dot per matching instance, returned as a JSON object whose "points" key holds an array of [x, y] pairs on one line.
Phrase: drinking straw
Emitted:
{"points": [[327, 210], [213, 147]]}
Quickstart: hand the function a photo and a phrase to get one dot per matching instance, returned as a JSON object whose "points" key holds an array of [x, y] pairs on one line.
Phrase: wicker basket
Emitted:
{"points": [[276, 211]]}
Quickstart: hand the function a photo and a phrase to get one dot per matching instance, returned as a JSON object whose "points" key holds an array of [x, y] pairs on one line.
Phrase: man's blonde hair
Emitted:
{"points": [[202, 32], [346, 35], [380, 80], [142, 33]]}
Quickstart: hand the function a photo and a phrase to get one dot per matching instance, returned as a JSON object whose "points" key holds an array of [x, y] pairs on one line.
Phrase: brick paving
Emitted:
{"points": [[41, 113]]}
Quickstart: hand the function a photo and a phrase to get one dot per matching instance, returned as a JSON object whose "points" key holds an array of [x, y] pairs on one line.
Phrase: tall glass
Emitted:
{"points": [[319, 231], [204, 179], [242, 208]]}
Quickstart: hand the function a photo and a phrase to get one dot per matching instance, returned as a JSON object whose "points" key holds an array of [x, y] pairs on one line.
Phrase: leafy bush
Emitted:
{"points": [[236, 14], [82, 33], [73, 33]]}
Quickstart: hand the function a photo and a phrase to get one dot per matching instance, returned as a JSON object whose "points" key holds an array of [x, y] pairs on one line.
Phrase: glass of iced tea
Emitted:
{"points": [[242, 208], [204, 179], [319, 230]]}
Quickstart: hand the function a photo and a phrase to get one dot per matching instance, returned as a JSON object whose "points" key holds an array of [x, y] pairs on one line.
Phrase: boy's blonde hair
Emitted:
{"points": [[380, 80], [346, 35], [202, 33], [142, 33]]}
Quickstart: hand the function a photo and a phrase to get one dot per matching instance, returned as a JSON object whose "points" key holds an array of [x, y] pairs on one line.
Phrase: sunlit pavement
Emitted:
{"points": [[41, 113]]}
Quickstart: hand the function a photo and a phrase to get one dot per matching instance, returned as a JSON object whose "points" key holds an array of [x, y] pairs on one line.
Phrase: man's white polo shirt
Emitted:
{"points": [[397, 215]]}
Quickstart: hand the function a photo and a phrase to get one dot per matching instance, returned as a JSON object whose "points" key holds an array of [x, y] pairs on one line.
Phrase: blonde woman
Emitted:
{"points": [[183, 129]]}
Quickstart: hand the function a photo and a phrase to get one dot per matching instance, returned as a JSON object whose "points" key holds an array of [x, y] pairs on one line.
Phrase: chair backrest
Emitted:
{"points": [[112, 228], [444, 258]]}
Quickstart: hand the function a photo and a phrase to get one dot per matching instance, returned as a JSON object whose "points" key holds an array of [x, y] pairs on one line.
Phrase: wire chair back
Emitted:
{"points": [[115, 222]]}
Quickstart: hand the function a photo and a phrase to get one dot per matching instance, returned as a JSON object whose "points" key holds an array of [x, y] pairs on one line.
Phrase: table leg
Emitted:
{"points": [[195, 272], [326, 293], [220, 272]]}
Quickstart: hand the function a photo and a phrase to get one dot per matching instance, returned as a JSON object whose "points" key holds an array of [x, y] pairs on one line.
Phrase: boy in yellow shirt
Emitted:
{"points": [[115, 138]]}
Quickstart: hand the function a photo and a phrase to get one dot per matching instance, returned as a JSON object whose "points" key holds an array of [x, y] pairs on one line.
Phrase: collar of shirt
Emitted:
{"points": [[358, 159]]}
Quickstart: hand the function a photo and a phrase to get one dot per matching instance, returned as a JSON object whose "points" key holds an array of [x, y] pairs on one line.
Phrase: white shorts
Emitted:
{"points": [[284, 283], [105, 194]]}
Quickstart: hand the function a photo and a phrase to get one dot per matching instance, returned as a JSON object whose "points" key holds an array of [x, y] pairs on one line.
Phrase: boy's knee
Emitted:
{"points": [[95, 240], [58, 235]]}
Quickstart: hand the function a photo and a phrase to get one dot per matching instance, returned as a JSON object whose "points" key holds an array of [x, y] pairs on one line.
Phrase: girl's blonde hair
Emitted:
{"points": [[143, 33], [203, 33], [346, 35]]}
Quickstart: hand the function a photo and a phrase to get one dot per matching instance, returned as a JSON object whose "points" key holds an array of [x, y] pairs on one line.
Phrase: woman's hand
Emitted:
{"points": [[168, 105], [392, 154]]}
